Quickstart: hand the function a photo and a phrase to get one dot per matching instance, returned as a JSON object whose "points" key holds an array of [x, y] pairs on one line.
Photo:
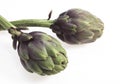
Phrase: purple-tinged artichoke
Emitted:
{"points": [[77, 26], [40, 53]]}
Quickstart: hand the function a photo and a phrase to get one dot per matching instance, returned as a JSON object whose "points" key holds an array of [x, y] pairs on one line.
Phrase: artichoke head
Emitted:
{"points": [[41, 53], [77, 26]]}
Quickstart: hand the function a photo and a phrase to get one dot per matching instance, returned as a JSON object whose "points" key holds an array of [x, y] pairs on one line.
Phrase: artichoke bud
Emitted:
{"points": [[77, 26], [41, 53]]}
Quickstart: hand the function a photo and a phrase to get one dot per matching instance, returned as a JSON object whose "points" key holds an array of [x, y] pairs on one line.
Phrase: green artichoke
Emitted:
{"points": [[40, 53], [77, 26]]}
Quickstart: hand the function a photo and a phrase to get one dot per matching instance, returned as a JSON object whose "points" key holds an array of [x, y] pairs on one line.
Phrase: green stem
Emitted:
{"points": [[33, 22], [5, 24]]}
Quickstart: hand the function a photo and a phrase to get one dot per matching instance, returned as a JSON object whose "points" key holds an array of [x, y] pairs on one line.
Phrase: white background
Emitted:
{"points": [[94, 63]]}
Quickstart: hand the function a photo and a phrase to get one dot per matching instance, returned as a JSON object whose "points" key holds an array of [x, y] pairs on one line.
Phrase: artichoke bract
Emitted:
{"points": [[41, 53], [77, 26]]}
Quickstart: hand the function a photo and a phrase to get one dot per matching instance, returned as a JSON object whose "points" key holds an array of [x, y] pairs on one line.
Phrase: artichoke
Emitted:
{"points": [[77, 26], [40, 53]]}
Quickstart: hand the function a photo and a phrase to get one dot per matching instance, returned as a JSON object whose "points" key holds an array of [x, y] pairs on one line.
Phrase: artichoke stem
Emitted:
{"points": [[33, 23], [30, 23], [5, 24]]}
